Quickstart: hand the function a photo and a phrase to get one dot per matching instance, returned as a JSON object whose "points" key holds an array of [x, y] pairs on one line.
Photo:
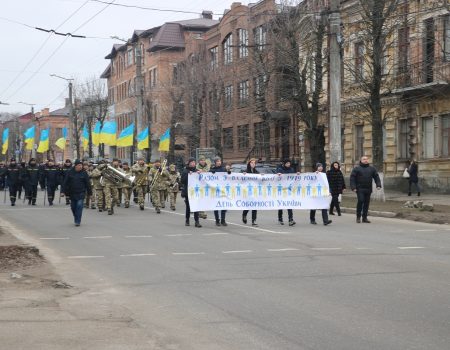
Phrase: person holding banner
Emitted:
{"points": [[312, 213], [190, 168], [251, 169], [286, 168], [219, 168]]}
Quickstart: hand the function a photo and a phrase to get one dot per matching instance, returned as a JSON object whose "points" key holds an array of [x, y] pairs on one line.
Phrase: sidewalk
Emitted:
{"points": [[435, 198]]}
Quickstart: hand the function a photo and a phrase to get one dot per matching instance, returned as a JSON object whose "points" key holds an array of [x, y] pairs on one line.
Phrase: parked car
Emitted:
{"points": [[261, 168]]}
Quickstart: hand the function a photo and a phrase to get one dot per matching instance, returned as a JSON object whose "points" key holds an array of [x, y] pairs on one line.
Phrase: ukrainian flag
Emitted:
{"points": [[96, 134], [5, 140], [108, 134], [142, 139], [85, 137], [44, 143], [164, 141], [29, 138], [126, 136], [61, 142]]}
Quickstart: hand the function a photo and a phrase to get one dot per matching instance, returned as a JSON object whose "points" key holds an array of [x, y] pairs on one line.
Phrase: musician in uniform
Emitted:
{"points": [[31, 180], [95, 175], [13, 177], [51, 178], [111, 186], [140, 170], [94, 194], [126, 186], [159, 180], [174, 185]]}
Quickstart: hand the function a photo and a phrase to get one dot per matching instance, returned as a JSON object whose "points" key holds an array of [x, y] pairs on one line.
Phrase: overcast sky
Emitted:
{"points": [[24, 72]]}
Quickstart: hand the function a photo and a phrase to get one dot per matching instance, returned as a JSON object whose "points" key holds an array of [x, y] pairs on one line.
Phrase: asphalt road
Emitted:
{"points": [[384, 285]]}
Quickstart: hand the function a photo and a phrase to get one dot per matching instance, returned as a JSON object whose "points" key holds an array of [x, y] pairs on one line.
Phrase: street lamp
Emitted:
{"points": [[71, 116], [28, 104]]}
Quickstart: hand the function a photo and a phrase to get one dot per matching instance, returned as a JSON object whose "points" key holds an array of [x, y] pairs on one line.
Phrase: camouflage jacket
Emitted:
{"points": [[141, 173], [95, 175], [174, 181], [162, 180]]}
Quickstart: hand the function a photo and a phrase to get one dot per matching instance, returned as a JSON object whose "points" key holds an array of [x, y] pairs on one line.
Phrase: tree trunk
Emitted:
{"points": [[316, 139]]}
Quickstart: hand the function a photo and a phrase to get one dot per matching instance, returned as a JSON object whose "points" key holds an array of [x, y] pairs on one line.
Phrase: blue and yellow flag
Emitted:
{"points": [[29, 138], [61, 142], [108, 134], [44, 144], [126, 136], [85, 137], [142, 139], [164, 141], [5, 141], [96, 134]]}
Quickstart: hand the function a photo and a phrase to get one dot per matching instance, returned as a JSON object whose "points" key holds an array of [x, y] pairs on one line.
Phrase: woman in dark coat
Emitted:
{"points": [[251, 169], [413, 171], [337, 186]]}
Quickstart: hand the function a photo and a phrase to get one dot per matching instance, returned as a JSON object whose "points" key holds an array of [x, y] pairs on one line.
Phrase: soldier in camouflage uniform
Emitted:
{"points": [[95, 175], [203, 166], [140, 170], [87, 199], [110, 190], [126, 187], [174, 185], [159, 185]]}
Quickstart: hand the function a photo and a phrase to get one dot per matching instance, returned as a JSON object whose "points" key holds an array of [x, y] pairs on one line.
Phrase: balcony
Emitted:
{"points": [[422, 76]]}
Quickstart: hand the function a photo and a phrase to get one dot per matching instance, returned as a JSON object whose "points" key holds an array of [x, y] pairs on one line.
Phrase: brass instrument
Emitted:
{"points": [[157, 174], [116, 176]]}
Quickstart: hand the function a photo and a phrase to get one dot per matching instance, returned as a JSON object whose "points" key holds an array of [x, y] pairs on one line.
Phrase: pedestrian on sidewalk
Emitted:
{"points": [[76, 185], [361, 182], [251, 169], [337, 186], [413, 171], [312, 213], [190, 168]]}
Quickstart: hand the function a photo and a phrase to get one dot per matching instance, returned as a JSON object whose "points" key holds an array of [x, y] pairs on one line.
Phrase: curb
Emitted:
{"points": [[384, 214]]}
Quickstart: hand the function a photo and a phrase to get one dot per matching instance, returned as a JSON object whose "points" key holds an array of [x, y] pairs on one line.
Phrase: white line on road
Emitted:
{"points": [[85, 257], [362, 248], [179, 235], [215, 234], [132, 255], [138, 236], [282, 250], [98, 237], [54, 238], [237, 251], [410, 248], [426, 230], [326, 248], [198, 253]]}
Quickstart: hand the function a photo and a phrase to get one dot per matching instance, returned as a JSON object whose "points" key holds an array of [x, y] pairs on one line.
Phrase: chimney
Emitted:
{"points": [[235, 4], [207, 14], [45, 112]]}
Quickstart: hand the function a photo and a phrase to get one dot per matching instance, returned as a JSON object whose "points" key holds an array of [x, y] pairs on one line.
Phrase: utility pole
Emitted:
{"points": [[335, 82], [139, 99]]}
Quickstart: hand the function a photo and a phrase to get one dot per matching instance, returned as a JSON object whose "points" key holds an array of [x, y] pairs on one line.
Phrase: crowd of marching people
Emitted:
{"points": [[105, 185]]}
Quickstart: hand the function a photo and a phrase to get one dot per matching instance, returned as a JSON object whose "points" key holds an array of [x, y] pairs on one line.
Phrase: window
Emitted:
{"points": [[428, 137], [403, 139], [447, 38], [243, 92], [260, 132], [260, 37], [403, 49], [155, 113], [228, 49], [445, 125], [243, 43], [174, 74], [228, 100], [243, 137], [359, 138], [130, 57], [153, 77], [227, 139], [130, 89], [214, 57], [359, 62]]}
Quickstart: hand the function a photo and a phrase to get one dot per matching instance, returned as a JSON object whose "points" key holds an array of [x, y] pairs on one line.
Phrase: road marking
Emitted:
{"points": [[215, 234], [282, 250], [132, 255], [138, 236], [85, 257], [54, 238], [198, 253], [326, 248], [179, 235], [426, 230], [410, 248], [98, 237], [237, 251], [362, 248]]}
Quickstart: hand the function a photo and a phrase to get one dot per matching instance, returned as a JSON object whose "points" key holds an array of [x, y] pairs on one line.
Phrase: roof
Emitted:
{"points": [[65, 111], [170, 35], [115, 49], [106, 73], [199, 23]]}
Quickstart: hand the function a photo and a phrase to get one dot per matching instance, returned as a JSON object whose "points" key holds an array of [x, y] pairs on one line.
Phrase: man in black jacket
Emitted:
{"points": [[219, 168], [13, 175], [31, 180], [51, 177], [76, 185], [286, 168], [361, 182], [67, 166]]}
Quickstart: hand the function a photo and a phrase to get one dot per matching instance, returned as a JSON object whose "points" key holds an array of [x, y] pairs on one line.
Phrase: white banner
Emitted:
{"points": [[222, 191]]}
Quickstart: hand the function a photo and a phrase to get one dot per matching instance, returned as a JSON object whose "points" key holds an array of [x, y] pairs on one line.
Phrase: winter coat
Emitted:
{"points": [[51, 175], [13, 174], [251, 170], [220, 169], [32, 175], [283, 170], [335, 180], [413, 171], [362, 176], [184, 180], [76, 184]]}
